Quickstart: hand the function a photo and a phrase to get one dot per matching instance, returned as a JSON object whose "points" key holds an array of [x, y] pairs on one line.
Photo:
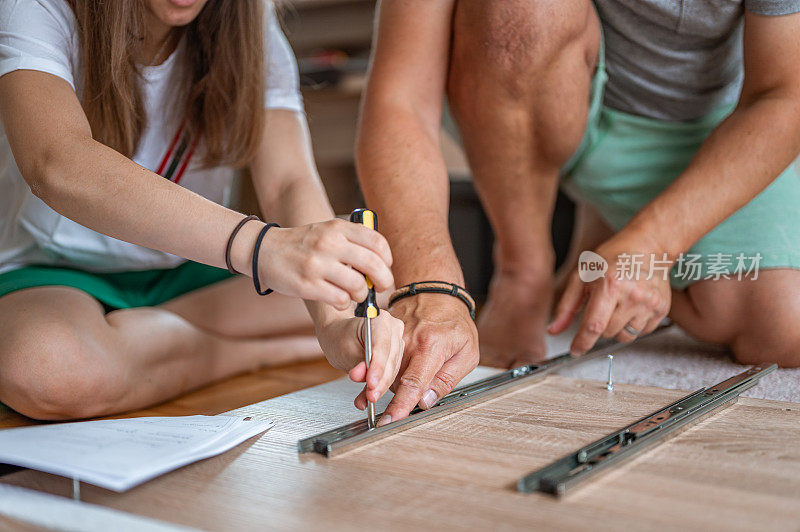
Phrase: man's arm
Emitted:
{"points": [[405, 181], [747, 151], [743, 155], [400, 164]]}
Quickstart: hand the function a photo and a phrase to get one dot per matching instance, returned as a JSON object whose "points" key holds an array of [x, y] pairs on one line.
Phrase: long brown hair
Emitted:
{"points": [[220, 87]]}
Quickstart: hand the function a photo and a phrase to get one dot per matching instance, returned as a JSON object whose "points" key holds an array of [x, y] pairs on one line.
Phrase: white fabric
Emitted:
{"points": [[41, 35]]}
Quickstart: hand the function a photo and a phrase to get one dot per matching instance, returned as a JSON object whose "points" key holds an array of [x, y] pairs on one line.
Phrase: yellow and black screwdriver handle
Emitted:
{"points": [[369, 307]]}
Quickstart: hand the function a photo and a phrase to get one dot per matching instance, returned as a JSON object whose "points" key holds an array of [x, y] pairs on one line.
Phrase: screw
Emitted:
{"points": [[610, 384]]}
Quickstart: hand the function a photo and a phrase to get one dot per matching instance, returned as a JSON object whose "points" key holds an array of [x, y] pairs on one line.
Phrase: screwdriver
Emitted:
{"points": [[368, 308]]}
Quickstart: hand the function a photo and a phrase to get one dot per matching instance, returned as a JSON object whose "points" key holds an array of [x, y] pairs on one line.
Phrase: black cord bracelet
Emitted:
{"points": [[229, 247], [256, 249], [435, 287]]}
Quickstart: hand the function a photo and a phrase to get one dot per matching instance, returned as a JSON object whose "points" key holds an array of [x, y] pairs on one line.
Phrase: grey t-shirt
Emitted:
{"points": [[677, 59]]}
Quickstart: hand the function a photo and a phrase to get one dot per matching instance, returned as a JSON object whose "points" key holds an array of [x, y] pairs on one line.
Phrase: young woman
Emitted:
{"points": [[122, 124]]}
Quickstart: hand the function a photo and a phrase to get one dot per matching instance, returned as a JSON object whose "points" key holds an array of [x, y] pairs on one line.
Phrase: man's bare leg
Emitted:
{"points": [[756, 318], [519, 87], [590, 230], [63, 357]]}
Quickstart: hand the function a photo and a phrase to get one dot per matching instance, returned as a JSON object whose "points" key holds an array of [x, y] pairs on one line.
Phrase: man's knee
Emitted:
{"points": [[767, 345], [514, 40], [50, 373], [756, 319], [525, 64]]}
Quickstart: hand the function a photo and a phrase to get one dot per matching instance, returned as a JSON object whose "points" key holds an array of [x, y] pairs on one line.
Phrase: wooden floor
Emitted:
{"points": [[738, 470]]}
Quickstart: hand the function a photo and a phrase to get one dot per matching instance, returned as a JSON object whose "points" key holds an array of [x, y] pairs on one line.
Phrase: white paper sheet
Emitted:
{"points": [[121, 453], [59, 513]]}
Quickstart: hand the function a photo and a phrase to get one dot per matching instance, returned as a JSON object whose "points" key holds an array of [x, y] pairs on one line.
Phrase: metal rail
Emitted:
{"points": [[652, 429], [353, 435]]}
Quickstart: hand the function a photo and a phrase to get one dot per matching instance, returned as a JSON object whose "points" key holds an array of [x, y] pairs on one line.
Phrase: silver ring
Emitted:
{"points": [[630, 330]]}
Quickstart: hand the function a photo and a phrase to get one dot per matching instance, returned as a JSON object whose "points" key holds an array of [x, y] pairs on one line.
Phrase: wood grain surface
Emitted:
{"points": [[738, 470], [17, 526]]}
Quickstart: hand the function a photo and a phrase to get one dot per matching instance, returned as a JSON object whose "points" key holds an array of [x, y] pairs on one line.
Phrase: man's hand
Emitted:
{"points": [[441, 347], [512, 324], [342, 341], [614, 301]]}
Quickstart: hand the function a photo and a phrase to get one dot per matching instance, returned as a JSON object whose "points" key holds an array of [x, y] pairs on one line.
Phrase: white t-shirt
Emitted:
{"points": [[41, 35]]}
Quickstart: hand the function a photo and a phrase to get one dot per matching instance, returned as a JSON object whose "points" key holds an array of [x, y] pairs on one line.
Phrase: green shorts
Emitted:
{"points": [[120, 289], [626, 160]]}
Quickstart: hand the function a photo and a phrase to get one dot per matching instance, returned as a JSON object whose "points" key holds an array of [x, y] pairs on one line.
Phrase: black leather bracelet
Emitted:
{"points": [[256, 249], [435, 287]]}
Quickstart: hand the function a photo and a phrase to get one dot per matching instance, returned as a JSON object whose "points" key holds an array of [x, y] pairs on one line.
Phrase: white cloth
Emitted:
{"points": [[42, 35]]}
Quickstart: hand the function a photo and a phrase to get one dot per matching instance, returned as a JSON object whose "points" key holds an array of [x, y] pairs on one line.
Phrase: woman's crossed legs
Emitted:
{"points": [[63, 357]]}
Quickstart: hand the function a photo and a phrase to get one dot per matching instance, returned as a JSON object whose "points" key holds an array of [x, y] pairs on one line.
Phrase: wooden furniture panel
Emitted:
{"points": [[738, 470]]}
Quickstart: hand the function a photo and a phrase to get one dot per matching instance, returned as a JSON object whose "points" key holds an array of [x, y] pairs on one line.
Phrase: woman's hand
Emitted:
{"points": [[637, 296], [322, 261], [342, 341]]}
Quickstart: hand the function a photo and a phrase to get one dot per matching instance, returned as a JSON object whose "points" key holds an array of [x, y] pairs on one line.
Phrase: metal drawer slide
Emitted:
{"points": [[652, 429], [353, 435]]}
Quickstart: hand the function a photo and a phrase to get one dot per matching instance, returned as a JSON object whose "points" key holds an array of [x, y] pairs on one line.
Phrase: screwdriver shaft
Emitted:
{"points": [[368, 359]]}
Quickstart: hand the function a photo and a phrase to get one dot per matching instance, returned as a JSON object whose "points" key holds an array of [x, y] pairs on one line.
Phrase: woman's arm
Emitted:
{"points": [[99, 188], [288, 187], [290, 192]]}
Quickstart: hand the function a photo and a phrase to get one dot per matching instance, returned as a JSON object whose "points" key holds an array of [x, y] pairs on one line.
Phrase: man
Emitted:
{"points": [[674, 127]]}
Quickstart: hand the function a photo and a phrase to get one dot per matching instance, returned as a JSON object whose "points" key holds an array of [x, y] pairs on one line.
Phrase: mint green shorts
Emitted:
{"points": [[626, 160]]}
